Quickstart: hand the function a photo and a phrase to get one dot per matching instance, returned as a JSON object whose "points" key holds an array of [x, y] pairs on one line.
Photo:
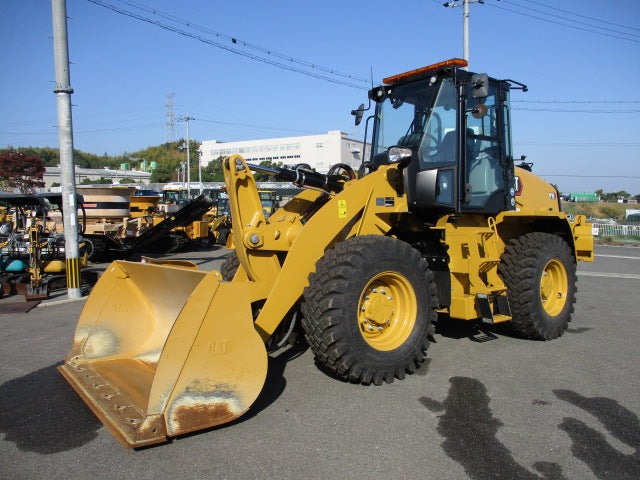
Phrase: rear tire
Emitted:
{"points": [[223, 235], [177, 242], [96, 248], [230, 266], [369, 308], [540, 273]]}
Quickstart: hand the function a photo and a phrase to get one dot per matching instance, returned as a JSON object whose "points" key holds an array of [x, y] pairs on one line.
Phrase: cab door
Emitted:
{"points": [[488, 168], [432, 179]]}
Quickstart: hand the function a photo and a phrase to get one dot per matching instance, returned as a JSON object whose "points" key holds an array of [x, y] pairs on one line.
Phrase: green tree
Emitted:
{"points": [[165, 172], [213, 171], [101, 181], [622, 193], [168, 158], [263, 177]]}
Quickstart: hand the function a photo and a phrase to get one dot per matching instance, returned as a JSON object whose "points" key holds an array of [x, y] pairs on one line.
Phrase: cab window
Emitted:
{"points": [[439, 143]]}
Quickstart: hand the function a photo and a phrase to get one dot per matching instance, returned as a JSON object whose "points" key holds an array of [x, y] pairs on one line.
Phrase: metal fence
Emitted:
{"points": [[614, 230]]}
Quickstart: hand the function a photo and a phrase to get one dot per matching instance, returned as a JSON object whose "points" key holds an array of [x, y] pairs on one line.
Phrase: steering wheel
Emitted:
{"points": [[343, 170], [430, 147]]}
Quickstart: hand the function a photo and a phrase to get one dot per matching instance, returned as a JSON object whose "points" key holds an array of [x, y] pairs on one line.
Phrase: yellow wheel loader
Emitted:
{"points": [[437, 220]]}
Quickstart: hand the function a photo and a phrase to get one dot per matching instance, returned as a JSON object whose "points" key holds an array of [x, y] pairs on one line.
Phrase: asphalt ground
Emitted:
{"points": [[485, 405]]}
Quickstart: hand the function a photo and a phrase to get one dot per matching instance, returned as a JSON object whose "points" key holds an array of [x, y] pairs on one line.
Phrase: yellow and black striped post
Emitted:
{"points": [[73, 273]]}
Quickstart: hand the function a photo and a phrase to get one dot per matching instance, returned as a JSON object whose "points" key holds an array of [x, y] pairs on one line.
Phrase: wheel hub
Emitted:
{"points": [[554, 287], [378, 307], [387, 311]]}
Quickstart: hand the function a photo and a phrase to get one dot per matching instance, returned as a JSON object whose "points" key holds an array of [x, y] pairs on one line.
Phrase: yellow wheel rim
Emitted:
{"points": [[387, 311], [554, 286]]}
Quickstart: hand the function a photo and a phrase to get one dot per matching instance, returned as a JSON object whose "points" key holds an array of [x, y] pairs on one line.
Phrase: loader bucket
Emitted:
{"points": [[163, 350]]}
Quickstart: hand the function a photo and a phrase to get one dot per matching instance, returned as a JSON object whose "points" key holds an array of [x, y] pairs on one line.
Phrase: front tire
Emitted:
{"points": [[369, 308], [540, 273]]}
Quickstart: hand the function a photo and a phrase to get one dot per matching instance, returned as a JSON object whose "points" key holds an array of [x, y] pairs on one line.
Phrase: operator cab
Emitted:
{"points": [[452, 131]]}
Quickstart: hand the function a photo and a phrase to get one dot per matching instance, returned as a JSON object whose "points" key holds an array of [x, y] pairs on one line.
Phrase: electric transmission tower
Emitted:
{"points": [[171, 135]]}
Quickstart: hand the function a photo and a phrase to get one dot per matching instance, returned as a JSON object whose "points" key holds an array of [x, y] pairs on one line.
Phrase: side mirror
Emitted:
{"points": [[479, 85], [479, 111], [358, 114]]}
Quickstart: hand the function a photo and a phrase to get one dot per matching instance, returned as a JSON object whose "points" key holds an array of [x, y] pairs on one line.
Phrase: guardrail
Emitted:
{"points": [[613, 230]]}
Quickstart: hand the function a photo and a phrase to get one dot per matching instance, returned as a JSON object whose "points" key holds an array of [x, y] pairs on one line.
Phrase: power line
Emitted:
{"points": [[584, 176], [236, 51], [144, 125], [155, 124], [558, 23], [79, 117], [580, 144], [562, 110], [570, 20], [237, 41], [28, 133], [579, 101], [579, 15], [232, 124]]}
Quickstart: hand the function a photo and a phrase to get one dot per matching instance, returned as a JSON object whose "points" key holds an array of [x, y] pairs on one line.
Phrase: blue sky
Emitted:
{"points": [[123, 68]]}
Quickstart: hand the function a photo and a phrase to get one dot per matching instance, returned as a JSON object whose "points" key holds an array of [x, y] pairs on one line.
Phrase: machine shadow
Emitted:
{"points": [[473, 330], [41, 413]]}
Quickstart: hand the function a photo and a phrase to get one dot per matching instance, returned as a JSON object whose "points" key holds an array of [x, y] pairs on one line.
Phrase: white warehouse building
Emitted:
{"points": [[319, 151]]}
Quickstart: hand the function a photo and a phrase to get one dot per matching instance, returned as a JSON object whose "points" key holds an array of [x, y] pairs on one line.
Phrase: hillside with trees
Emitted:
{"points": [[168, 157], [612, 210], [51, 157]]}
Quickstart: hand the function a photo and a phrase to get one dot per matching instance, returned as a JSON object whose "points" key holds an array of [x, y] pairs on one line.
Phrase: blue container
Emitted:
{"points": [[14, 265]]}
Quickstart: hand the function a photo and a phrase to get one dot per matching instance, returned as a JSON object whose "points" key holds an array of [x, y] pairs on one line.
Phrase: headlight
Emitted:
{"points": [[397, 154]]}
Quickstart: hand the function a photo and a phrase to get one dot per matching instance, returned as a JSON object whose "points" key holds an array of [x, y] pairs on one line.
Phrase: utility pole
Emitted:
{"points": [[186, 119], [465, 20], [63, 93]]}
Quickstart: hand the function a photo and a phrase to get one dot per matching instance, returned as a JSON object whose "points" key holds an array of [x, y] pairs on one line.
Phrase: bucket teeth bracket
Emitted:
{"points": [[123, 420]]}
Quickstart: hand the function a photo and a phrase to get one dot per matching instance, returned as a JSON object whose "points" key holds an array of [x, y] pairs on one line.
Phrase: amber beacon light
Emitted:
{"points": [[454, 62]]}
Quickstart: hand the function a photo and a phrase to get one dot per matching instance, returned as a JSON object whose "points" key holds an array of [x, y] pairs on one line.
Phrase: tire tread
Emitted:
{"points": [[519, 268], [324, 300]]}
